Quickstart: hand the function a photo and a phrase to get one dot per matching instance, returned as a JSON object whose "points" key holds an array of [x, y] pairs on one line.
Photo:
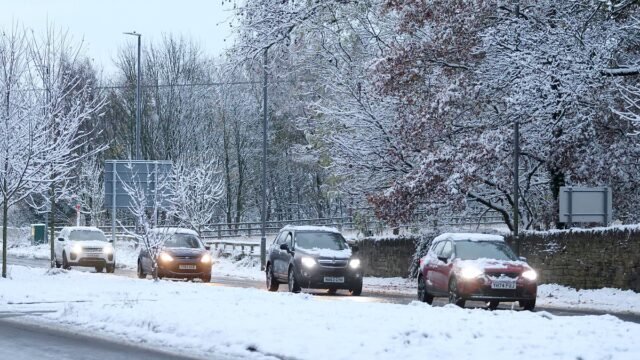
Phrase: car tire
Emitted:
{"points": [[294, 287], [111, 268], [206, 278], [357, 290], [141, 274], [528, 305], [56, 262], [423, 294], [493, 304], [453, 293], [99, 269], [332, 291], [65, 263], [272, 282]]}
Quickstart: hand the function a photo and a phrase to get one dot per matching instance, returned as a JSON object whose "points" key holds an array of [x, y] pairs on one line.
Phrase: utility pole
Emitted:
{"points": [[263, 237], [516, 185], [138, 152]]}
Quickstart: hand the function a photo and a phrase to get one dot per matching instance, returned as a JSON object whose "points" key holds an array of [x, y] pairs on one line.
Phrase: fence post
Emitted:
{"points": [[219, 226], [248, 229]]}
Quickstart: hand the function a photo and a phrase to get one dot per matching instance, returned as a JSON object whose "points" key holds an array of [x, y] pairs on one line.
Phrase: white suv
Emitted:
{"points": [[84, 246]]}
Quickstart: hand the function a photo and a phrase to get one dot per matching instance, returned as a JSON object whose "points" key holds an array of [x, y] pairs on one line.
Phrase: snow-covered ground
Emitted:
{"points": [[209, 319]]}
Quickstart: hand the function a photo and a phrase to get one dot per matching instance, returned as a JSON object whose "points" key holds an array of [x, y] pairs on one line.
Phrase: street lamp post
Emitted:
{"points": [[138, 155]]}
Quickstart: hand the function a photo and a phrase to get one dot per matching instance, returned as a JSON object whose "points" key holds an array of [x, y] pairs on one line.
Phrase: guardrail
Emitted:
{"points": [[232, 247], [367, 224]]}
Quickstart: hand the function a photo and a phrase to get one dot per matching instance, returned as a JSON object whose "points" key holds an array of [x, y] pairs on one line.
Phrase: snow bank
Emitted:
{"points": [[607, 299], [207, 320]]}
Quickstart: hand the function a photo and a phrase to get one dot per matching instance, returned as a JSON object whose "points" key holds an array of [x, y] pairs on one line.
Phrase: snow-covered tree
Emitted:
{"points": [[39, 140], [197, 190]]}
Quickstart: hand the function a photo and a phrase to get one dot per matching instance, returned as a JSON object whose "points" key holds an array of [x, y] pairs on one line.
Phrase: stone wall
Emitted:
{"points": [[387, 257], [586, 259], [583, 259]]}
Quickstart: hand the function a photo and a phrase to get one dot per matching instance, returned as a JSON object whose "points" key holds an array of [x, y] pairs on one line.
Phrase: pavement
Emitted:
{"points": [[21, 339]]}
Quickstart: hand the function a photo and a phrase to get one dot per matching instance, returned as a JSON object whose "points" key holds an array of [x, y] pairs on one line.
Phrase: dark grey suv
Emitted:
{"points": [[314, 258]]}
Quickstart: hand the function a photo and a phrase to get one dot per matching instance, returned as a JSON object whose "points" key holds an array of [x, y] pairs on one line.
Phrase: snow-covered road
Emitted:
{"points": [[202, 320]]}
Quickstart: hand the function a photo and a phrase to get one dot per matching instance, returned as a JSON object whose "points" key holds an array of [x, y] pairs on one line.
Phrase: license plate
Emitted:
{"points": [[334, 279], [503, 284], [186, 267]]}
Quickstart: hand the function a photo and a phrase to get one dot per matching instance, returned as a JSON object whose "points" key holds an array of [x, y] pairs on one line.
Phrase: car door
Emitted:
{"points": [[59, 245], [278, 262], [282, 263], [441, 274], [431, 266], [274, 251], [145, 257]]}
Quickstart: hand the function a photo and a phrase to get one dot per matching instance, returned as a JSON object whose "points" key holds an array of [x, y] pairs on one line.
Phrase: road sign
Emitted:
{"points": [[585, 205], [150, 176]]}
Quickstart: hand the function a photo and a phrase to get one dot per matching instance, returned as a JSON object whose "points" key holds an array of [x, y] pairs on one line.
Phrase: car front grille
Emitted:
{"points": [[92, 250], [334, 263], [189, 257], [498, 274]]}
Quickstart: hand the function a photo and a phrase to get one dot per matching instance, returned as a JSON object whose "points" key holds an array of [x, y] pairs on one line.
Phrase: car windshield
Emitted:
{"points": [[182, 241], [321, 240], [83, 235], [473, 250]]}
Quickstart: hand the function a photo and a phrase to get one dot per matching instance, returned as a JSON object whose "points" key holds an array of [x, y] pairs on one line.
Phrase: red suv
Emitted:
{"points": [[476, 267]]}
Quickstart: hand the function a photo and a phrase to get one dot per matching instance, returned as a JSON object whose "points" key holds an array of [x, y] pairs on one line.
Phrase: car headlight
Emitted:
{"points": [[164, 257], [470, 272], [206, 259], [530, 275], [308, 262], [354, 263], [77, 248], [107, 250]]}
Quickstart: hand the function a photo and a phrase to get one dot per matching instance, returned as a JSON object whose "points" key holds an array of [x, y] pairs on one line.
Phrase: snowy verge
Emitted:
{"points": [[607, 299], [207, 320]]}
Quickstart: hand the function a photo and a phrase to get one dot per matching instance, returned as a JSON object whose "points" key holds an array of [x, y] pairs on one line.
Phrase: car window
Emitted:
{"points": [[447, 250], [84, 235], [472, 250], [289, 241], [282, 237], [437, 248], [320, 240], [183, 241]]}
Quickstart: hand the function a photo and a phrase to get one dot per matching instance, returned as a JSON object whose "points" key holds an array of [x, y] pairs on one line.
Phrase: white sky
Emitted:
{"points": [[101, 22]]}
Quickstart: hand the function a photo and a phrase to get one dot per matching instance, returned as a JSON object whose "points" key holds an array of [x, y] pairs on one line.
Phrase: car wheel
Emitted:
{"points": [[65, 263], [332, 291], [453, 293], [272, 283], [206, 278], [294, 287], [57, 263], [528, 305], [423, 295], [357, 290], [111, 268], [99, 269], [141, 274], [493, 304]]}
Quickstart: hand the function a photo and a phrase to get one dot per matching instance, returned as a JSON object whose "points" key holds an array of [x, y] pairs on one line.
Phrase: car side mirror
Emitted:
{"points": [[60, 239], [207, 247], [522, 258], [284, 247], [443, 259], [354, 248]]}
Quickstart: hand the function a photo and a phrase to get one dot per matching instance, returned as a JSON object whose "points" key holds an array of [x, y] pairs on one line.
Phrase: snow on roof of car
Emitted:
{"points": [[310, 228], [81, 228], [468, 237], [174, 230]]}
